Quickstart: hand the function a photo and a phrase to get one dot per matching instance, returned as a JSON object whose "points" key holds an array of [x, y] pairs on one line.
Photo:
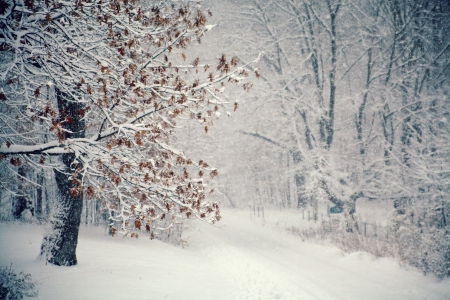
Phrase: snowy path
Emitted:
{"points": [[246, 259], [263, 263], [251, 263]]}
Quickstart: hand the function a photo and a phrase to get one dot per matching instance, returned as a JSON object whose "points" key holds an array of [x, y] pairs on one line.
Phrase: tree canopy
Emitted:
{"points": [[100, 84]]}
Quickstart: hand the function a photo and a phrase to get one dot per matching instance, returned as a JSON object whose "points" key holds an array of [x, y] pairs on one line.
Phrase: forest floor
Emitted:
{"points": [[246, 258]]}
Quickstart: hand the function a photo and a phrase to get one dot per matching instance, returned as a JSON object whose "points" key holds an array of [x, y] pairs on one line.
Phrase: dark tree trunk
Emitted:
{"points": [[302, 201], [39, 196], [330, 121], [20, 202], [299, 181], [59, 246], [388, 132], [288, 183]]}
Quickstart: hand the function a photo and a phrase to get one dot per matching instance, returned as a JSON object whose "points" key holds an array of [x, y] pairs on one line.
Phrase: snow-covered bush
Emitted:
{"points": [[16, 285], [419, 245]]}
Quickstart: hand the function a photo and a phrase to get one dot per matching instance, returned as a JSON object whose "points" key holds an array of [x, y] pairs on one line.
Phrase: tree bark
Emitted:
{"points": [[39, 196], [20, 202], [59, 246], [330, 121]]}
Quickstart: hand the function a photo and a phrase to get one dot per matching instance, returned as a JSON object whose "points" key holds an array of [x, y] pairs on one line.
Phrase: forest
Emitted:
{"points": [[142, 116], [351, 108]]}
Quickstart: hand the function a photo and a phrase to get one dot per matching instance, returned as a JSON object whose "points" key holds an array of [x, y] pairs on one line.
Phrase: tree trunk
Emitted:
{"points": [[39, 191], [20, 202], [59, 246], [332, 75]]}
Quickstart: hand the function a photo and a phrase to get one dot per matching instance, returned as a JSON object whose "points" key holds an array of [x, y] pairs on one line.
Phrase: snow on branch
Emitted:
{"points": [[101, 85]]}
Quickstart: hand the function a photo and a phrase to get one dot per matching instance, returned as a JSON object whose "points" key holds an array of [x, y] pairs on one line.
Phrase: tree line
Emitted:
{"points": [[353, 103]]}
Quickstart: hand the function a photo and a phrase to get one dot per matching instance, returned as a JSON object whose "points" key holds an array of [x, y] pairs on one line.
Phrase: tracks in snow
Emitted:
{"points": [[250, 260]]}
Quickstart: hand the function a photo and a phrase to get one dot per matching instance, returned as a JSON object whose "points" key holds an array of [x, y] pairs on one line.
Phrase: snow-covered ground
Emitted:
{"points": [[247, 258]]}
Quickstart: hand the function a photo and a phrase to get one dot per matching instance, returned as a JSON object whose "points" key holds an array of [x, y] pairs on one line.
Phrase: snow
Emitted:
{"points": [[210, 27], [245, 258], [378, 211]]}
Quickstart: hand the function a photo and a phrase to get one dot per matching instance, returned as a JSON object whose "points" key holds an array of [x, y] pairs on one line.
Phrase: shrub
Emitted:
{"points": [[15, 286], [422, 246]]}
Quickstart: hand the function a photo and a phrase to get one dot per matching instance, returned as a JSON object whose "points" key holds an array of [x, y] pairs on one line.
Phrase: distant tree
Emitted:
{"points": [[99, 85], [353, 93]]}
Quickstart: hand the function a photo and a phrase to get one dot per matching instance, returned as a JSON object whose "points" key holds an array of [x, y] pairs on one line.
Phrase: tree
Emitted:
{"points": [[348, 90], [303, 80], [92, 90]]}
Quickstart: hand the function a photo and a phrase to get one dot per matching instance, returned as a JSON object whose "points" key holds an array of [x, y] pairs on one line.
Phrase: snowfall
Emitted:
{"points": [[244, 257]]}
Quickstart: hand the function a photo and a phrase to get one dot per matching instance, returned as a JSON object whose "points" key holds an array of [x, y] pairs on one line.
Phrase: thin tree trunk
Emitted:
{"points": [[330, 121], [360, 116], [388, 132], [20, 202], [39, 196], [288, 182]]}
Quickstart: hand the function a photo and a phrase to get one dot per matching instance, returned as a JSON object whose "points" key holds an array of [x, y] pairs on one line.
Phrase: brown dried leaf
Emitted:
{"points": [[113, 231], [214, 173], [137, 224]]}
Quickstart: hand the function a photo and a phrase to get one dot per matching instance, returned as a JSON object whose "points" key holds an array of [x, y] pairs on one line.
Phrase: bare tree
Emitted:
{"points": [[344, 82]]}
